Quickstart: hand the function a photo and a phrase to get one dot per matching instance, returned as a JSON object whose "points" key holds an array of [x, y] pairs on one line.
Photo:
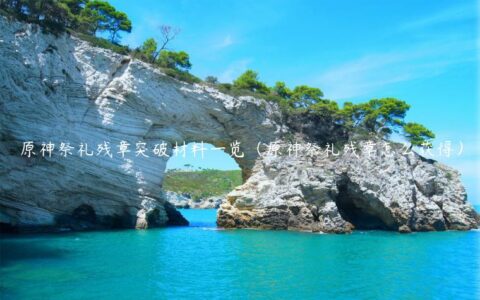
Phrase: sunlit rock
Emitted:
{"points": [[60, 89]]}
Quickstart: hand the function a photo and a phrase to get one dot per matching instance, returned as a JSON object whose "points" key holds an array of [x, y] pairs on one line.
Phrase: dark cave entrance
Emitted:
{"points": [[364, 212]]}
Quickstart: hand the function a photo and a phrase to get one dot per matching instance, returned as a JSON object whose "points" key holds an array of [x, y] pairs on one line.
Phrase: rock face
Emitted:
{"points": [[185, 201], [62, 90], [361, 190]]}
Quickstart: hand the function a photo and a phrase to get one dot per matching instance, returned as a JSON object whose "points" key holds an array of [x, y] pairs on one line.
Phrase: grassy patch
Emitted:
{"points": [[203, 183], [449, 176], [181, 75], [100, 42]]}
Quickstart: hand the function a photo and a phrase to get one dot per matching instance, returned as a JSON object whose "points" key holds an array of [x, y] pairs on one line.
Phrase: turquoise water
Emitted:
{"points": [[200, 262]]}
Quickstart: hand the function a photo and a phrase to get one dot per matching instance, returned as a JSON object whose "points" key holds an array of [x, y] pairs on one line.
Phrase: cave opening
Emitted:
{"points": [[85, 213], [362, 211], [196, 181]]}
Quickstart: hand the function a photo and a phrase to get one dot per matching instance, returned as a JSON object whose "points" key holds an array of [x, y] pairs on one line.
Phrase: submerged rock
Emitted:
{"points": [[60, 89]]}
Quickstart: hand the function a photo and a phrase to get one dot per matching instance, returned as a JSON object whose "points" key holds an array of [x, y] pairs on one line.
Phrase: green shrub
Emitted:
{"points": [[249, 81], [181, 75], [101, 43], [174, 60], [204, 183], [211, 80]]}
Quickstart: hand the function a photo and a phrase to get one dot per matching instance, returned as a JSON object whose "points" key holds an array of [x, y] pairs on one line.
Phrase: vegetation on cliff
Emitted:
{"points": [[87, 18], [383, 116], [202, 183]]}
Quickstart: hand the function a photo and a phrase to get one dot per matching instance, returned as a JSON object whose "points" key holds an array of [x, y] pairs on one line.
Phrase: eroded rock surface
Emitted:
{"points": [[184, 200], [393, 191], [62, 90]]}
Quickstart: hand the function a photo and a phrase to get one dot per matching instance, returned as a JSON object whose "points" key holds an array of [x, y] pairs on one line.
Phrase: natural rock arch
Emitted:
{"points": [[79, 94], [61, 89]]}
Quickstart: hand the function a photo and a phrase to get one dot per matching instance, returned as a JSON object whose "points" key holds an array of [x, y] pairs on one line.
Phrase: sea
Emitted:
{"points": [[204, 262]]}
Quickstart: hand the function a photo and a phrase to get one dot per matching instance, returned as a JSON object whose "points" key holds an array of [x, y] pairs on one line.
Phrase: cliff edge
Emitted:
{"points": [[61, 90]]}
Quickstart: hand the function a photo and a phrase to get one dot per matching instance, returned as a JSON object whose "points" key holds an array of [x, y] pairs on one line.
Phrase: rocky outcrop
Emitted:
{"points": [[60, 89], [361, 190], [184, 200]]}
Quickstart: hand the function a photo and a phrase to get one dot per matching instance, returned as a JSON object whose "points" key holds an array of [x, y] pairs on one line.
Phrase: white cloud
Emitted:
{"points": [[234, 69], [368, 73], [431, 56], [359, 77], [226, 42], [451, 14]]}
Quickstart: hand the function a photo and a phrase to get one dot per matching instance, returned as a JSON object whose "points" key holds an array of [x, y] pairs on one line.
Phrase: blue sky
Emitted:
{"points": [[423, 52]]}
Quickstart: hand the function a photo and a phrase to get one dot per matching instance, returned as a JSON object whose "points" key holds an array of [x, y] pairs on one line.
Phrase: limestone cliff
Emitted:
{"points": [[61, 89], [362, 190]]}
